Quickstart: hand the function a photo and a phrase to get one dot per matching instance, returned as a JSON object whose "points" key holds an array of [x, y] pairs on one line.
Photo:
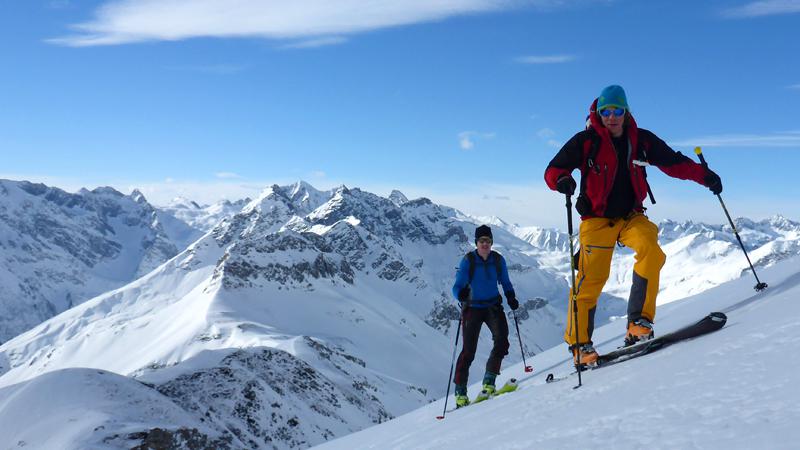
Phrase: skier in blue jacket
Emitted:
{"points": [[476, 289]]}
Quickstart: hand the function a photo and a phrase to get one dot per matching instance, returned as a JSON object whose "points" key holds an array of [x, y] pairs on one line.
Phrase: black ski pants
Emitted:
{"points": [[473, 318]]}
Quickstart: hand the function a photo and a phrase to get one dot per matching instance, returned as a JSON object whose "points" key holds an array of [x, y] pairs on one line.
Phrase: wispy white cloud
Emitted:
{"points": [[545, 133], [497, 197], [466, 139], [318, 42], [551, 59], [788, 139], [763, 8], [795, 87], [128, 21], [227, 175]]}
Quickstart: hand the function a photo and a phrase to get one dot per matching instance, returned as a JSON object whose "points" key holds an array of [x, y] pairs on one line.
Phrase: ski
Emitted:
{"points": [[708, 324], [509, 386]]}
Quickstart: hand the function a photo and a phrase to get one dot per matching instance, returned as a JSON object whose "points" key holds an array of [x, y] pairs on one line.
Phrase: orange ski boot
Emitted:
{"points": [[639, 330]]}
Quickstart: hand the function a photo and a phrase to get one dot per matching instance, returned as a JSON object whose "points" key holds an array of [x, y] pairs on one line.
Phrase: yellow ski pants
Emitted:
{"points": [[598, 236]]}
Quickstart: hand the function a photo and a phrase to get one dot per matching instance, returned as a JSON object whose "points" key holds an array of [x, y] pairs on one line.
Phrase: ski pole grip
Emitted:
{"points": [[699, 152]]}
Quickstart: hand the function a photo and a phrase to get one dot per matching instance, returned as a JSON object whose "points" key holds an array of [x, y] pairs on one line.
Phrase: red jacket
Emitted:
{"points": [[597, 181]]}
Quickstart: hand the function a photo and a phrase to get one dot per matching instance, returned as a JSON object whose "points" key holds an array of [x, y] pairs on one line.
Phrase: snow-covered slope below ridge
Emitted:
{"points": [[699, 256], [732, 389], [351, 295], [60, 249]]}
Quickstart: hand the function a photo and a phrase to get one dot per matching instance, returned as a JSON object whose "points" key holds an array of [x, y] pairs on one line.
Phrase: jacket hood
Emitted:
{"points": [[596, 123]]}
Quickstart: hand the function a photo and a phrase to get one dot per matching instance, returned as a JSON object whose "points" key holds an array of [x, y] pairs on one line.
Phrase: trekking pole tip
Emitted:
{"points": [[528, 369], [439, 417], [760, 287]]}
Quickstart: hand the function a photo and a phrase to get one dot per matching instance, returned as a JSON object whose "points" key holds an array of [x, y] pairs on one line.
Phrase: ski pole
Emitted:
{"points": [[760, 286], [574, 296], [452, 365], [519, 337]]}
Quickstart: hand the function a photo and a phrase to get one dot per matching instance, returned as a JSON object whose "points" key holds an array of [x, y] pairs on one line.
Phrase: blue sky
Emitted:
{"points": [[461, 101]]}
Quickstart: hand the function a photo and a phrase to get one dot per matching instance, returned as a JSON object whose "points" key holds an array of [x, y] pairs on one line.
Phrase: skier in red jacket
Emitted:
{"points": [[612, 154]]}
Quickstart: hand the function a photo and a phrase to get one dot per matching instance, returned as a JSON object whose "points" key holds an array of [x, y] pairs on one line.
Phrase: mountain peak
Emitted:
{"points": [[138, 197], [398, 198], [107, 190], [183, 202], [267, 197], [300, 187], [781, 222], [306, 197], [493, 221]]}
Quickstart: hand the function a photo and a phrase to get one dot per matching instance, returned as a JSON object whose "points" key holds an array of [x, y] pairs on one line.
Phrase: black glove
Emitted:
{"points": [[463, 294], [713, 182], [566, 185], [513, 303]]}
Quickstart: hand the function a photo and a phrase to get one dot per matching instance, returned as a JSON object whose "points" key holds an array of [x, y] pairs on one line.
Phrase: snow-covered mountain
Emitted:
{"points": [[732, 389], [60, 249], [201, 217], [699, 256], [307, 315]]}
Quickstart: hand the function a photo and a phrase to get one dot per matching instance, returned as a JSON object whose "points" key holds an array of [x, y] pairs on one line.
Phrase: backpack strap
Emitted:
{"points": [[593, 150], [643, 162], [471, 258], [497, 264]]}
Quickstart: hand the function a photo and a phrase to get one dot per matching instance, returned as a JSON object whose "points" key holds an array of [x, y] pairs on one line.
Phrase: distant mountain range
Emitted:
{"points": [[347, 290], [296, 317], [60, 249]]}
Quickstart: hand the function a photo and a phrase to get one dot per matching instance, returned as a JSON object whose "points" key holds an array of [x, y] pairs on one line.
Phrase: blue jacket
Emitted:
{"points": [[484, 281]]}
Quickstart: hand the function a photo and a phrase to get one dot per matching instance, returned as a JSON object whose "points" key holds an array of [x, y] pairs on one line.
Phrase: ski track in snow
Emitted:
{"points": [[732, 389]]}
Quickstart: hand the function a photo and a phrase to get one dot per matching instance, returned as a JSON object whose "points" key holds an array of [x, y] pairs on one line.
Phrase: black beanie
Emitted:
{"points": [[483, 231]]}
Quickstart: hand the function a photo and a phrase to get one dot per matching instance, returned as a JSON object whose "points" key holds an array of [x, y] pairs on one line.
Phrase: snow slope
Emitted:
{"points": [[733, 389], [33, 414]]}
